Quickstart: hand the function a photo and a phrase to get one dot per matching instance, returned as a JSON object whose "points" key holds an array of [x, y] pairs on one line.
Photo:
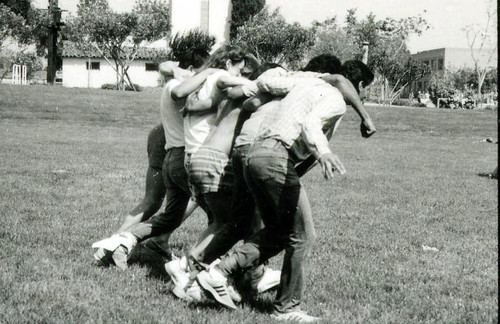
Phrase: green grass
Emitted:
{"points": [[73, 163]]}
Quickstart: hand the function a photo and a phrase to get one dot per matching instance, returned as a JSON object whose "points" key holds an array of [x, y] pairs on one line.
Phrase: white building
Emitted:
{"points": [[92, 71], [84, 70]]}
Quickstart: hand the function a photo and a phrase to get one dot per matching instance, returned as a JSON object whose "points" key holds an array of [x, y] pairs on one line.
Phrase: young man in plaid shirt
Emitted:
{"points": [[294, 130]]}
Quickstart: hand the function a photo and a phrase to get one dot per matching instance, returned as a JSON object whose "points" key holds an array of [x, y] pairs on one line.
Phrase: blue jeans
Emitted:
{"points": [[175, 178], [236, 220], [275, 187]]}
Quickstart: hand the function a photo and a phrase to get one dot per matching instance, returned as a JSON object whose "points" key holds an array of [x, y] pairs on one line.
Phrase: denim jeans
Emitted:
{"points": [[275, 187], [175, 178], [235, 220]]}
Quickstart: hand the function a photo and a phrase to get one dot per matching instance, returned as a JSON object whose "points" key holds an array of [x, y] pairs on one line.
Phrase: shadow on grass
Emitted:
{"points": [[154, 262], [487, 175]]}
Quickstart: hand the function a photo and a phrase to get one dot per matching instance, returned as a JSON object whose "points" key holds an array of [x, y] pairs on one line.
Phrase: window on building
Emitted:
{"points": [[440, 64], [204, 15], [93, 65], [151, 66]]}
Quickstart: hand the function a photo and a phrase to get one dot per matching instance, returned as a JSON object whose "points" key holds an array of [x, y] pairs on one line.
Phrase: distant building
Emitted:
{"points": [[91, 70], [442, 59]]}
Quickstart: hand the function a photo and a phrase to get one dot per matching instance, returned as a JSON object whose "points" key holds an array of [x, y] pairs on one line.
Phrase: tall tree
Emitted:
{"points": [[118, 37], [272, 39], [482, 40], [388, 54], [242, 10], [331, 38]]}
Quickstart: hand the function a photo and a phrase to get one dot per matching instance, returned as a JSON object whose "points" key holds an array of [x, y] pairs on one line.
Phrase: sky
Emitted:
{"points": [[446, 17]]}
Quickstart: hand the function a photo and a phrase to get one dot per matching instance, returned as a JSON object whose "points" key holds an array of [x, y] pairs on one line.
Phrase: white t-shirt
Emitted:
{"points": [[197, 127], [171, 117]]}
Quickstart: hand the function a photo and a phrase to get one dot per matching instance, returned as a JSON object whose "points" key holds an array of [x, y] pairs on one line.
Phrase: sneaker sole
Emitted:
{"points": [[204, 283]]}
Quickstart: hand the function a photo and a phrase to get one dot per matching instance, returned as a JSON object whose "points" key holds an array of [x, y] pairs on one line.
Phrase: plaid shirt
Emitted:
{"points": [[308, 111]]}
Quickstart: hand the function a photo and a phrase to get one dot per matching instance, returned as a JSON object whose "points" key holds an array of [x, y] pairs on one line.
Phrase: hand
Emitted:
{"points": [[329, 163], [367, 128]]}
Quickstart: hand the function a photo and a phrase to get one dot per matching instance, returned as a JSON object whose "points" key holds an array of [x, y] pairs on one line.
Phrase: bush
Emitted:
{"points": [[408, 103], [184, 47], [114, 86]]}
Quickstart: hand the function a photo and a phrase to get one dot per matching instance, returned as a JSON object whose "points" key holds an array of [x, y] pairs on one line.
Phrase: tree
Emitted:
{"points": [[11, 24], [268, 36], [479, 39], [118, 37], [241, 12], [30, 59], [332, 38], [195, 41], [388, 54]]}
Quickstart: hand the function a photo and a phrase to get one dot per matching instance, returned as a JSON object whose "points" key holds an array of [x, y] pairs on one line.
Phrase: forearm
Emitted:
{"points": [[199, 105], [252, 104], [226, 81], [349, 93], [191, 84]]}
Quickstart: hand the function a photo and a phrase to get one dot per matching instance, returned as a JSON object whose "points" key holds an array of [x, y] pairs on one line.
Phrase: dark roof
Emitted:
{"points": [[145, 53]]}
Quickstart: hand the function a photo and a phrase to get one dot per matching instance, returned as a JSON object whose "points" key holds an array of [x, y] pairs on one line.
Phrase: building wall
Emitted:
{"points": [[443, 59], [75, 73], [213, 16]]}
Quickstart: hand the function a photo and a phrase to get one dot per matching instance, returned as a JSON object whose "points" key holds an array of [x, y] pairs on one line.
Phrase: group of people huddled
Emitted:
{"points": [[236, 137]]}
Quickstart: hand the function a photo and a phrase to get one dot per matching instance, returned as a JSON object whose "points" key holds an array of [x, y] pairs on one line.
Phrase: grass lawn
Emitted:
{"points": [[73, 161]]}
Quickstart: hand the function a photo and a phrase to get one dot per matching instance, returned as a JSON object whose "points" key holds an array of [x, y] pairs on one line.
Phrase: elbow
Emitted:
{"points": [[177, 94]]}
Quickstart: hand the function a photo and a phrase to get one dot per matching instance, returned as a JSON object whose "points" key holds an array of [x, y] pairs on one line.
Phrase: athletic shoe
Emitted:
{"points": [[269, 279], [297, 316], [120, 256], [215, 283], [103, 257], [184, 288]]}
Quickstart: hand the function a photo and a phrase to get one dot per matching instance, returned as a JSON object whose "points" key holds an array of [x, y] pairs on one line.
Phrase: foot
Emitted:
{"points": [[117, 248], [103, 257], [269, 279], [215, 283], [296, 316], [184, 288]]}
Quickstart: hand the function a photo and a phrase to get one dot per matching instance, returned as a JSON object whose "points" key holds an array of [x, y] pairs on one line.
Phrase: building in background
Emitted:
{"points": [[442, 59], [91, 70]]}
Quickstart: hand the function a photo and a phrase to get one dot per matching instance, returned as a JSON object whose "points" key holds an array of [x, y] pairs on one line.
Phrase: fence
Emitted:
{"points": [[19, 74]]}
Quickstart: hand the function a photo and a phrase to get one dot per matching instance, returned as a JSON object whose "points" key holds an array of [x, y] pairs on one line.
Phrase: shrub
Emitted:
{"points": [[184, 46], [114, 86]]}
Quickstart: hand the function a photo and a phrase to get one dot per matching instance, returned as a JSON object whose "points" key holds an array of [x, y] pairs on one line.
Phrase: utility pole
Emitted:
{"points": [[54, 27]]}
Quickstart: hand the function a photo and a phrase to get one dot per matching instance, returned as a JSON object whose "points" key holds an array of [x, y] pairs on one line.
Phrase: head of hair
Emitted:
{"points": [[194, 58], [263, 68], [324, 63], [219, 58], [356, 71]]}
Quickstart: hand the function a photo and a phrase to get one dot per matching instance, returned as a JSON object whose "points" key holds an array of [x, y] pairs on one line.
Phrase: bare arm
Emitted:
{"points": [[191, 84], [225, 81], [351, 97], [252, 104]]}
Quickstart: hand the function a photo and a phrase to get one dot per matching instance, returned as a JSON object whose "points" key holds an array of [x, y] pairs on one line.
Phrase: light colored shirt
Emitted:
{"points": [[197, 127], [303, 116], [171, 117], [281, 85], [251, 127]]}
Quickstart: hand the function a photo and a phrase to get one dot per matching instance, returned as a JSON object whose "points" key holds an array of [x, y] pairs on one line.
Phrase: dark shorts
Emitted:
{"points": [[156, 147]]}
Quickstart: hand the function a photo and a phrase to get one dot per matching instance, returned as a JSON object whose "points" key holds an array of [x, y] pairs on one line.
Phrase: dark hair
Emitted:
{"points": [[194, 58], [263, 68], [226, 52], [324, 63], [356, 71]]}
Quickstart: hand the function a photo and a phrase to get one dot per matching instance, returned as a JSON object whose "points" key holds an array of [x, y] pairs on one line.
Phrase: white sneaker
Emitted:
{"points": [[297, 316], [215, 283], [184, 287], [269, 279], [120, 245]]}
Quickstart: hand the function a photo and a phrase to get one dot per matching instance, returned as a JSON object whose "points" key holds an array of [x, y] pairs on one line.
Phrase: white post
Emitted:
{"points": [[23, 75], [15, 74]]}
